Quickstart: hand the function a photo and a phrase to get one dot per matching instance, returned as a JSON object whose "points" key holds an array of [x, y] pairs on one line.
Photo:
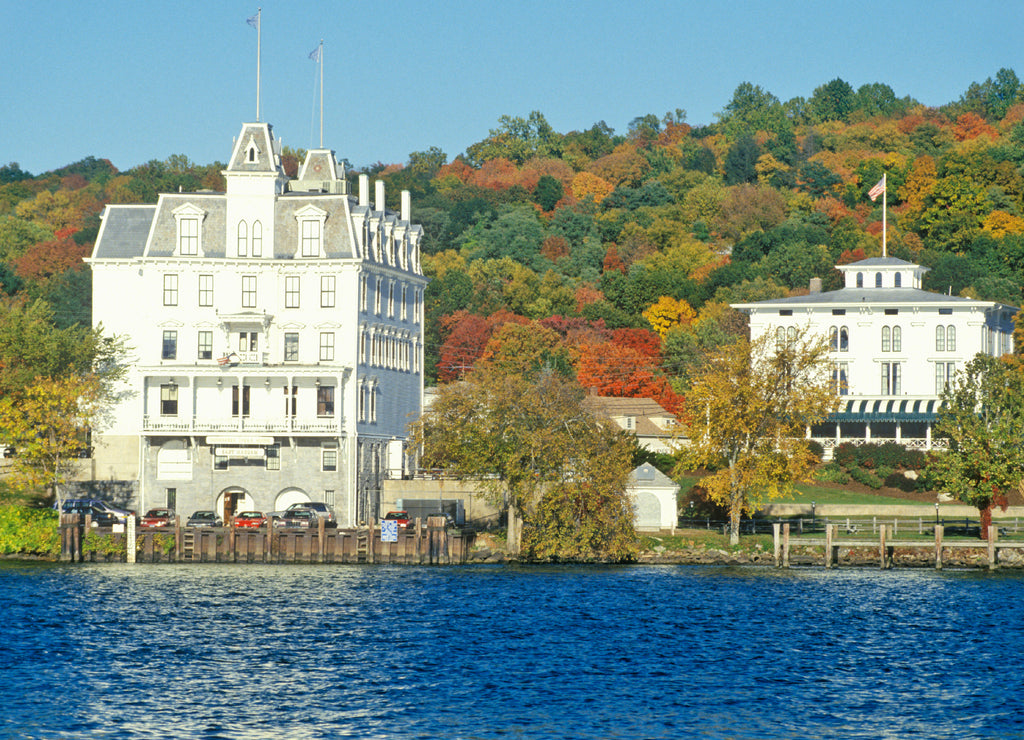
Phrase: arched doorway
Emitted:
{"points": [[231, 501], [290, 496]]}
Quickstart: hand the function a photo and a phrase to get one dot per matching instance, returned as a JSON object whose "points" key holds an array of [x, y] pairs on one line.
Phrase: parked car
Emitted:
{"points": [[322, 510], [250, 519], [100, 517], [298, 519], [402, 517], [111, 513], [159, 518], [204, 518]]}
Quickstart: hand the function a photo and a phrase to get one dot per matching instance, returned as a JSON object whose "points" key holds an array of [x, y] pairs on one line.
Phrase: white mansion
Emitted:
{"points": [[277, 332], [894, 346]]}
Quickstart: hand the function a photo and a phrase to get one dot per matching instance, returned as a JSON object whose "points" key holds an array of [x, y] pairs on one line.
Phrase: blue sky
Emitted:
{"points": [[133, 80]]}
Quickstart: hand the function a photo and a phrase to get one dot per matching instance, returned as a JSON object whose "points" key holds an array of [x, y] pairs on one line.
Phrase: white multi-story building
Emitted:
{"points": [[277, 338], [894, 347]]}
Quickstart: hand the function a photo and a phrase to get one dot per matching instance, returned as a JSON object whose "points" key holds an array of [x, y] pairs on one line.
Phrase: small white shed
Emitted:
{"points": [[654, 499]]}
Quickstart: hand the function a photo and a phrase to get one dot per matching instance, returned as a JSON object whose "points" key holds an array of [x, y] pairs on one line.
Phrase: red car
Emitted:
{"points": [[250, 519], [159, 518], [402, 517]]}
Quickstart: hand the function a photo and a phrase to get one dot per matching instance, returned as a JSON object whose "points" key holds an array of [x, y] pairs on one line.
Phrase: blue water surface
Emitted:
{"points": [[246, 651]]}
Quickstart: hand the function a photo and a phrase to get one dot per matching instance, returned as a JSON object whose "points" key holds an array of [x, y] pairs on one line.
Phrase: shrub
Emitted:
{"points": [[902, 482], [866, 477], [846, 455], [815, 447], [29, 531], [832, 473]]}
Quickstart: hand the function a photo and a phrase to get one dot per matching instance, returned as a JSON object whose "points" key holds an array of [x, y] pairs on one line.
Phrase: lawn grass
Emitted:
{"points": [[805, 493]]}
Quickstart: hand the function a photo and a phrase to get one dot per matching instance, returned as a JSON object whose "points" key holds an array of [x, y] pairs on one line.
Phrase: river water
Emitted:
{"points": [[225, 651]]}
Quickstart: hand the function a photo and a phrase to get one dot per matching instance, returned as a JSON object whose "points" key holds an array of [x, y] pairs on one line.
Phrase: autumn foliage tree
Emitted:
{"points": [[749, 409]]}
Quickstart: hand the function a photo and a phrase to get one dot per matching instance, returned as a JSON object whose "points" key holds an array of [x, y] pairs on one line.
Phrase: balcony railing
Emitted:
{"points": [[245, 424]]}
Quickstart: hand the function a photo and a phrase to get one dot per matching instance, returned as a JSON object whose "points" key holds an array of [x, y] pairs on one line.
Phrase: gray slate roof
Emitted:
{"points": [[124, 233], [853, 297]]}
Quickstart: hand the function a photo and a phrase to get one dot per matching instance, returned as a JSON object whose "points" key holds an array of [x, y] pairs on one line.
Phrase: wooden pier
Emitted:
{"points": [[886, 545], [432, 543]]}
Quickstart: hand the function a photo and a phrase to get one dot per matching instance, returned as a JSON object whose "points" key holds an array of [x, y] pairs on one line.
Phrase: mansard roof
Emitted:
{"points": [[254, 151], [124, 231]]}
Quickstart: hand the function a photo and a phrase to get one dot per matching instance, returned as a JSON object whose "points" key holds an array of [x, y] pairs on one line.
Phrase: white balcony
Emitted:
{"points": [[177, 425]]}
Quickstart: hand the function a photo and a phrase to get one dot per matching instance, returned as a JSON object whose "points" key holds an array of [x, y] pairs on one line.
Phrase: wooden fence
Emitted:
{"points": [[432, 543], [886, 545]]}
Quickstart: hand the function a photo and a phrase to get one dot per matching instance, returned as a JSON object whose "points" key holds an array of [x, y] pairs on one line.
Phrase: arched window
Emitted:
{"points": [[242, 239], [257, 239], [780, 337], [897, 339], [833, 339], [951, 338], [860, 279], [886, 339], [791, 335], [844, 339], [940, 339], [878, 280], [898, 280]]}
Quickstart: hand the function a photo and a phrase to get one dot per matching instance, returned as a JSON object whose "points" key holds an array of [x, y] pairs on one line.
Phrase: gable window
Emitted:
{"points": [[291, 291], [169, 399], [206, 290], [257, 239], [248, 291], [170, 290], [327, 346], [243, 239], [325, 400], [205, 345], [327, 291], [310, 238], [291, 346], [170, 345], [240, 401], [188, 237]]}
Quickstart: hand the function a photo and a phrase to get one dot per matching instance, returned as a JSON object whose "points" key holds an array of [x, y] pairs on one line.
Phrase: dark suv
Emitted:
{"points": [[322, 510], [100, 516]]}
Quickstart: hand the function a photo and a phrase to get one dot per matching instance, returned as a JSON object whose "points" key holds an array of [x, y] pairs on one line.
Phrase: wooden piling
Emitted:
{"points": [[828, 544], [939, 530], [776, 542], [785, 545], [993, 561]]}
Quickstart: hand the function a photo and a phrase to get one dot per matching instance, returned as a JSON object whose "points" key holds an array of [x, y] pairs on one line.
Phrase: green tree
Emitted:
{"points": [[750, 405], [48, 425], [555, 469], [833, 101], [982, 416]]}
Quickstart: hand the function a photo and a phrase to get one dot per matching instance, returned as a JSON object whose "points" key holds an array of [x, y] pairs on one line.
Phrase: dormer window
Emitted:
{"points": [[310, 230], [252, 151], [189, 225]]}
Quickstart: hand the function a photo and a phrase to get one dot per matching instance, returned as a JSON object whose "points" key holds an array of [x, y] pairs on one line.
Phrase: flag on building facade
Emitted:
{"points": [[878, 189]]}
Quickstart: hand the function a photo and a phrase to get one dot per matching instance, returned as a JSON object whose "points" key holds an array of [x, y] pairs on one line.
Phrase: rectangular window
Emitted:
{"points": [[171, 501], [235, 405], [362, 293], [405, 304], [248, 341], [416, 306], [291, 291], [785, 312], [391, 299], [248, 291], [273, 457], [220, 462], [377, 296], [841, 378], [329, 497], [838, 311], [169, 399], [373, 403], [327, 346], [943, 376], [329, 459], [291, 395], [206, 290], [170, 346], [188, 236], [892, 311], [170, 290], [205, 345], [291, 346], [891, 379], [327, 291], [310, 238], [325, 400]]}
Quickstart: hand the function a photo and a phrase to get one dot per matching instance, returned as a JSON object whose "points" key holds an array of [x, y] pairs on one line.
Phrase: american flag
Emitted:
{"points": [[878, 189], [225, 360], [254, 21], [315, 54]]}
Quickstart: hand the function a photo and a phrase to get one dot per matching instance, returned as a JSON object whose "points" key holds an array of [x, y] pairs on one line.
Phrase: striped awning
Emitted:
{"points": [[887, 410]]}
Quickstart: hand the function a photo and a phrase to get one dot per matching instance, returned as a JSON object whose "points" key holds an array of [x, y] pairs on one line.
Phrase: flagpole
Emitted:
{"points": [[321, 55], [885, 201], [259, 42]]}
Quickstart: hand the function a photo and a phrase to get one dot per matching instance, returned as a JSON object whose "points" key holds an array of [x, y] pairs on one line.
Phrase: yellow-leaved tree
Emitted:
{"points": [[667, 313], [750, 407]]}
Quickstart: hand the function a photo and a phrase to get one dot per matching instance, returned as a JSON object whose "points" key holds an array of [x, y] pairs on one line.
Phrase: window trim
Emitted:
{"points": [[291, 341], [205, 290], [249, 291], [204, 347], [170, 294], [169, 348], [187, 244], [292, 291], [328, 291], [327, 346]]}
